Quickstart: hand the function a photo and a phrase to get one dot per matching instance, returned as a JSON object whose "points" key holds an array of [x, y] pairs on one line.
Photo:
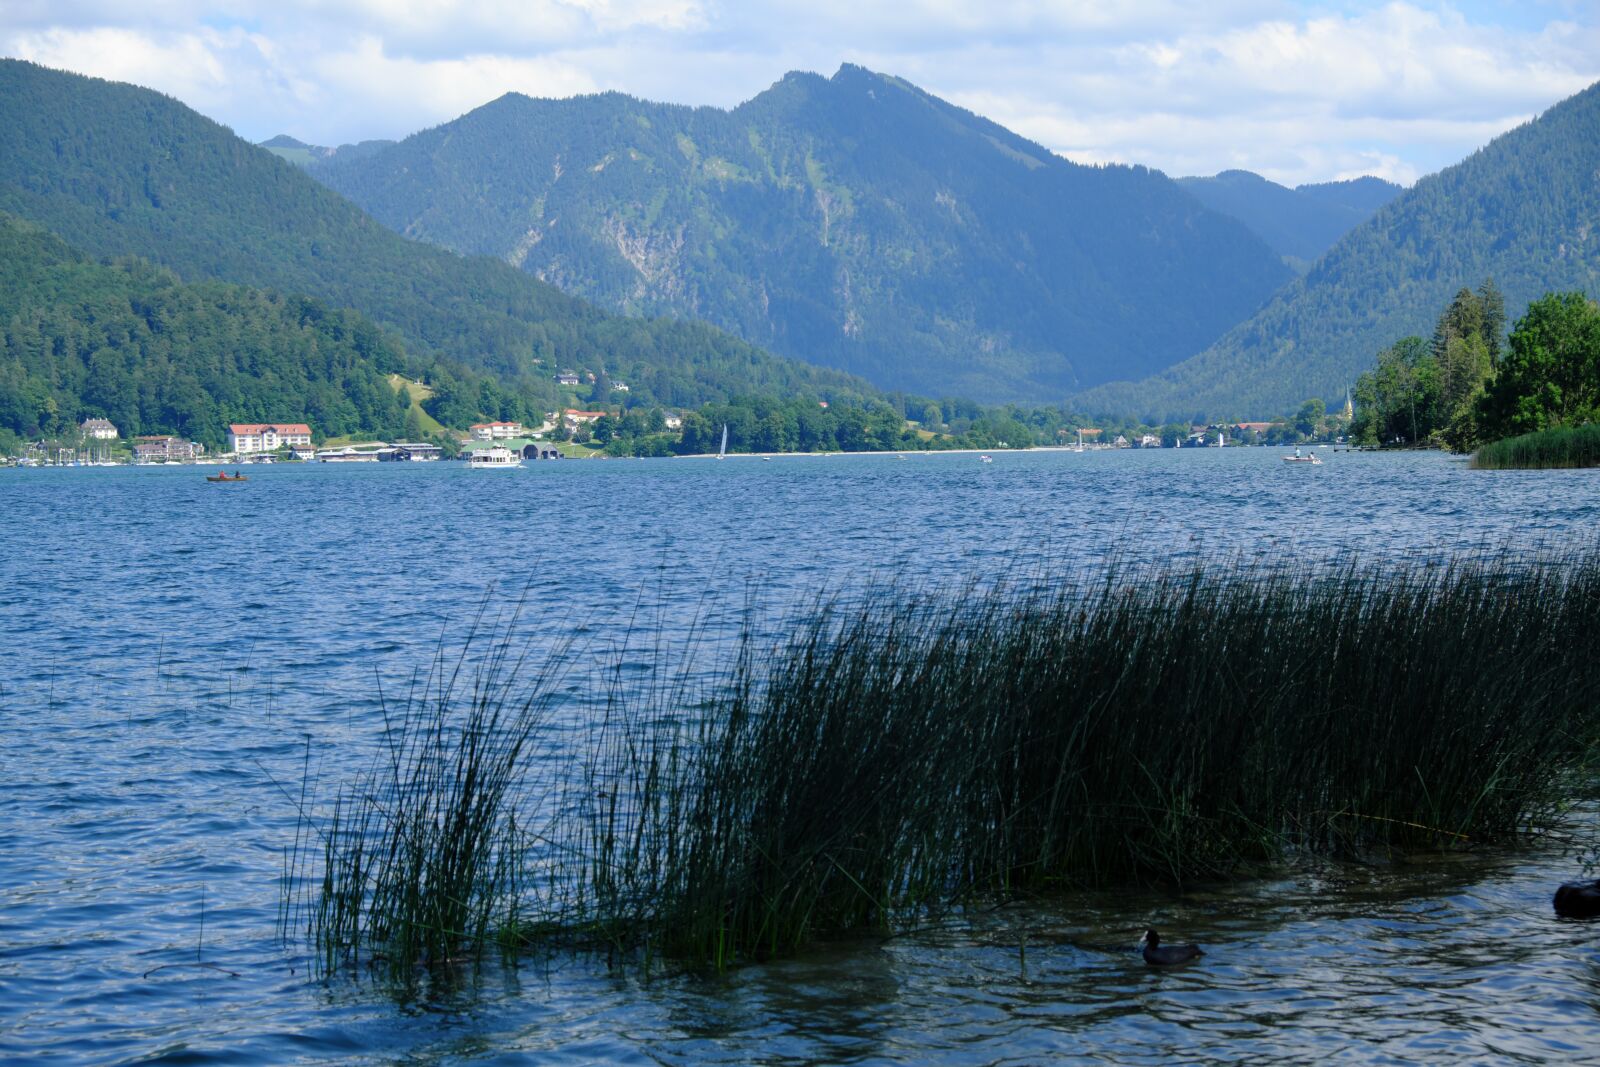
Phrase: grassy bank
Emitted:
{"points": [[1562, 446], [906, 754]]}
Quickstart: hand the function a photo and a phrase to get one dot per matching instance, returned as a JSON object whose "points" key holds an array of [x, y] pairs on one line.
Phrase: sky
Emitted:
{"points": [[1295, 91]]}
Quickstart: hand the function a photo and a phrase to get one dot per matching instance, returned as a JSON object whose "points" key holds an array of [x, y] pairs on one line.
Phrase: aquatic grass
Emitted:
{"points": [[1557, 447], [909, 753], [424, 858], [903, 753]]}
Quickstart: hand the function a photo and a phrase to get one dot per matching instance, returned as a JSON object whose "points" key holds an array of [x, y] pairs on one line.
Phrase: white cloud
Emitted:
{"points": [[1294, 92]]}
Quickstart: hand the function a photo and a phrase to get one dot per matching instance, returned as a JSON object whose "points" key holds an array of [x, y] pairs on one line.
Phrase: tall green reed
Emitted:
{"points": [[1560, 446], [905, 752], [424, 857]]}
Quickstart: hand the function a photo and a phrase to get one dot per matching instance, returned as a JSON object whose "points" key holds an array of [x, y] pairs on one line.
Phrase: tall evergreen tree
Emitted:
{"points": [[1494, 319]]}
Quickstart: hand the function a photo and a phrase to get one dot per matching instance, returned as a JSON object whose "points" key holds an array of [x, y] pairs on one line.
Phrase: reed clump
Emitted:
{"points": [[905, 753], [1558, 447]]}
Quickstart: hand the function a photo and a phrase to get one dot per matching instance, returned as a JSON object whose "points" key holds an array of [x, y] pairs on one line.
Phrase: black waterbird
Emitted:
{"points": [[1158, 955]]}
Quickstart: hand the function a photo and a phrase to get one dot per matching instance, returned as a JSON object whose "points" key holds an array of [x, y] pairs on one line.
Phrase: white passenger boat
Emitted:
{"points": [[494, 459]]}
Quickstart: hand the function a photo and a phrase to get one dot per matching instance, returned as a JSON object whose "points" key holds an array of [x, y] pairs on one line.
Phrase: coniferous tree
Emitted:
{"points": [[1494, 319]]}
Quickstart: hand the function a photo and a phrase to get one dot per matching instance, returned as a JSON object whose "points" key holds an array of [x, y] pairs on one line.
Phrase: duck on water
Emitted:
{"points": [[1158, 955]]}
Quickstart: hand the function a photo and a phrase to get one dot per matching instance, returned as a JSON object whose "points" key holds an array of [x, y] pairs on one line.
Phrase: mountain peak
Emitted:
{"points": [[854, 220]]}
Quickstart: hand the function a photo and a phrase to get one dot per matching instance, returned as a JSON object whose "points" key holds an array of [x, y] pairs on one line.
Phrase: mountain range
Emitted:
{"points": [[1524, 211], [853, 221], [116, 170]]}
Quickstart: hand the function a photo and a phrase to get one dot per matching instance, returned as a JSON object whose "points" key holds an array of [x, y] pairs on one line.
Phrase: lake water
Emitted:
{"points": [[172, 646]]}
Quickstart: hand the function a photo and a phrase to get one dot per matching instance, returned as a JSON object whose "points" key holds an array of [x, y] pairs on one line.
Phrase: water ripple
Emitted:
{"points": [[177, 657]]}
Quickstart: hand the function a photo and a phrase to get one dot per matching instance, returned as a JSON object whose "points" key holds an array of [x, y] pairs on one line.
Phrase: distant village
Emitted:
{"points": [[568, 433], [100, 443]]}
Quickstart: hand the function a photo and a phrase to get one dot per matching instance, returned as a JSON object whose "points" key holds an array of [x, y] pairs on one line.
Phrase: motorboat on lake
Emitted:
{"points": [[224, 476], [493, 459], [1313, 459]]}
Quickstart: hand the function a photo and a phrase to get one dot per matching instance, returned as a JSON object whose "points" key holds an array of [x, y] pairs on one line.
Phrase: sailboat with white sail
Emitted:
{"points": [[722, 453]]}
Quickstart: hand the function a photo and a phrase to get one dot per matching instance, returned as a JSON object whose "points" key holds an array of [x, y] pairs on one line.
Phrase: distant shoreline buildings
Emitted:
{"points": [[495, 431], [166, 449], [244, 437]]}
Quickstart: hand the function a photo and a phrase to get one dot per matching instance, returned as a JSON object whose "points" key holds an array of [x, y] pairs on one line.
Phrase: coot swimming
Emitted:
{"points": [[1158, 955]]}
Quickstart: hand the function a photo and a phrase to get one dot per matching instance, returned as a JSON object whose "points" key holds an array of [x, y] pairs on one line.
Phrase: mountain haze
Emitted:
{"points": [[115, 170], [1524, 210], [852, 221], [296, 151], [1300, 223]]}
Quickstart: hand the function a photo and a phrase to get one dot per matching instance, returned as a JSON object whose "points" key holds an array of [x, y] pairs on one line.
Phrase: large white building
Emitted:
{"points": [[496, 431], [266, 436], [99, 429]]}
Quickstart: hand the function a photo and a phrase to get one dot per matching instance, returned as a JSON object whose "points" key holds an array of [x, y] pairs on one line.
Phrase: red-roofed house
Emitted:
{"points": [[572, 416], [266, 436]]}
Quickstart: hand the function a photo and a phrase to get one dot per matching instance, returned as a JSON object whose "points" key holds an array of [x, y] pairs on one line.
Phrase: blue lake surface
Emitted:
{"points": [[174, 649]]}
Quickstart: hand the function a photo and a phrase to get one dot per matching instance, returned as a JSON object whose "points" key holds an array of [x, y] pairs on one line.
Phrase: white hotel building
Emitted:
{"points": [[266, 436], [496, 431]]}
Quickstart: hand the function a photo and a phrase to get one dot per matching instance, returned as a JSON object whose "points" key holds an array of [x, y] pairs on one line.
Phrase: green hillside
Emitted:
{"points": [[852, 221], [1300, 223], [117, 170], [1524, 211], [130, 342]]}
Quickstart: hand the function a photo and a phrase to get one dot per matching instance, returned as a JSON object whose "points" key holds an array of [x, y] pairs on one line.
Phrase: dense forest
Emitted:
{"points": [[1522, 210], [130, 342], [118, 170], [852, 221]]}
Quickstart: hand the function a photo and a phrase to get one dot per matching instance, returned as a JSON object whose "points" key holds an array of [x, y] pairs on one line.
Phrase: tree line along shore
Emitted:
{"points": [[1529, 400]]}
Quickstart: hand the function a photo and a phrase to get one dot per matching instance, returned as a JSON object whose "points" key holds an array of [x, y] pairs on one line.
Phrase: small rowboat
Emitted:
{"points": [[226, 478]]}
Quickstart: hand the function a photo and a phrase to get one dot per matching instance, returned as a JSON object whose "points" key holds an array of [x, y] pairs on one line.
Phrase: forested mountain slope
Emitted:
{"points": [[1300, 223], [130, 342], [852, 221], [115, 169], [1524, 210]]}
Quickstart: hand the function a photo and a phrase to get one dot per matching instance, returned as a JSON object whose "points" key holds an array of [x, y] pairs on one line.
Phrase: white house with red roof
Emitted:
{"points": [[495, 431], [573, 417], [266, 436]]}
